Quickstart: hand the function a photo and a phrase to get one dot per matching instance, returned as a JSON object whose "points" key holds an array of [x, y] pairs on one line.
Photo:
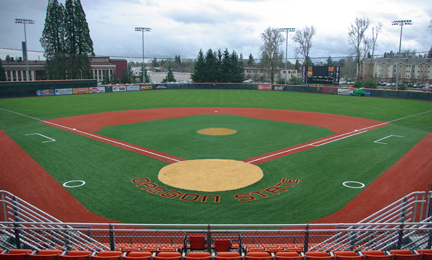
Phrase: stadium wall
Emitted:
{"points": [[65, 87]]}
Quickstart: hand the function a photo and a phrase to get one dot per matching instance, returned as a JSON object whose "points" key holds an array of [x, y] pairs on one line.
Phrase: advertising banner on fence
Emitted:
{"points": [[329, 90], [133, 88], [264, 87], [160, 87], [80, 90], [146, 87], [344, 91], [367, 93], [119, 88], [45, 92], [97, 90], [279, 88], [64, 91]]}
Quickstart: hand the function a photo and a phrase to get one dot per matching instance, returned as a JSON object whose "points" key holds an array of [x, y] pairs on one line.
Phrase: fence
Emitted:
{"points": [[405, 224], [44, 88]]}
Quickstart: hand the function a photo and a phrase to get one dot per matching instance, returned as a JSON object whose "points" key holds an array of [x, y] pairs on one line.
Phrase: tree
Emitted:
{"points": [[357, 37], [329, 61], [211, 66], [198, 74], [155, 63], [2, 72], [270, 51], [170, 76], [304, 39], [375, 33], [66, 41], [146, 76], [53, 41], [251, 61], [8, 58], [125, 77]]}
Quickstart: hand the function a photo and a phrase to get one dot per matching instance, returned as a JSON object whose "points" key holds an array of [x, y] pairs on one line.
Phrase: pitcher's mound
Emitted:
{"points": [[217, 131], [210, 175]]}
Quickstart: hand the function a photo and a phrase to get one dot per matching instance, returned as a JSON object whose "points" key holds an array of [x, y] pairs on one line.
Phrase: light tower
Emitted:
{"points": [[286, 48], [143, 29], [25, 21], [400, 23]]}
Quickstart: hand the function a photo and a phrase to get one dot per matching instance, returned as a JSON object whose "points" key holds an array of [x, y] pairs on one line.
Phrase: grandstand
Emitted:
{"points": [[403, 227]]}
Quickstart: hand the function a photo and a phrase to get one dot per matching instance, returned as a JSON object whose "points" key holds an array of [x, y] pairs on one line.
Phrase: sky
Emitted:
{"points": [[183, 27]]}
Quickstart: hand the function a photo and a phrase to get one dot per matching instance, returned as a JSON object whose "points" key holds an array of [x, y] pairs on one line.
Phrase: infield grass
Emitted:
{"points": [[108, 170]]}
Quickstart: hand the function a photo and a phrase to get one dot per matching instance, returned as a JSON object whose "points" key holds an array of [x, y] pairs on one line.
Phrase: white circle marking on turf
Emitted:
{"points": [[356, 182], [70, 186]]}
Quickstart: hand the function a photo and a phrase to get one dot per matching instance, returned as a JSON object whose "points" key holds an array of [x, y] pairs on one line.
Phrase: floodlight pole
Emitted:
{"points": [[25, 21], [143, 29], [400, 23], [286, 48]]}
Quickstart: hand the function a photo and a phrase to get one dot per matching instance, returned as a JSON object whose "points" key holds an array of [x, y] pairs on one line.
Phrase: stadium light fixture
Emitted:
{"points": [[25, 21], [143, 29], [286, 48], [400, 23]]}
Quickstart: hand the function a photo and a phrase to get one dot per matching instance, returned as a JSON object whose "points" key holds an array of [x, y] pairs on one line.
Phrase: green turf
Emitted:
{"points": [[179, 136], [108, 170]]}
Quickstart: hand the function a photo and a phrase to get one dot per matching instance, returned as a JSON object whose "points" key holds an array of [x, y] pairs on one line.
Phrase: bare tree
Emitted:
{"points": [[356, 37], [304, 39], [271, 52], [375, 32]]}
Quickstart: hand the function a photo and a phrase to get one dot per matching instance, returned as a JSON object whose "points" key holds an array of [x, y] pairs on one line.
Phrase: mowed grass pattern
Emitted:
{"points": [[108, 170], [180, 137]]}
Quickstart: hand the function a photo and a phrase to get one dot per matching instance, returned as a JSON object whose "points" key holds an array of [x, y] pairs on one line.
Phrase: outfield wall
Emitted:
{"points": [[69, 87]]}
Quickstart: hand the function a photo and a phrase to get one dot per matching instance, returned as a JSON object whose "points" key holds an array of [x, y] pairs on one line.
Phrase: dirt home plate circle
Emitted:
{"points": [[210, 175]]}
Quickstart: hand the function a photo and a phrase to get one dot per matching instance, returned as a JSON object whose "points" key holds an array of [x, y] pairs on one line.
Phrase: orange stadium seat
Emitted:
{"points": [[108, 255], [404, 254], [376, 255], [17, 254], [47, 254], [318, 255], [167, 256], [426, 254], [257, 255], [228, 256], [198, 256], [138, 255], [76, 255], [288, 256], [347, 255]]}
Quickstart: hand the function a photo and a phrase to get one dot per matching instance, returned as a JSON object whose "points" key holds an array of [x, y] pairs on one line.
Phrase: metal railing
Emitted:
{"points": [[405, 224]]}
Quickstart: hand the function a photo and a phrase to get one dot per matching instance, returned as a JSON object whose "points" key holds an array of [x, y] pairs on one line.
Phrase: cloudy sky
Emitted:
{"points": [[183, 27]]}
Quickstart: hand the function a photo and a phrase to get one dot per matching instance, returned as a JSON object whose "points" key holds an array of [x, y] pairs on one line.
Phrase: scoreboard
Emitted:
{"points": [[328, 75]]}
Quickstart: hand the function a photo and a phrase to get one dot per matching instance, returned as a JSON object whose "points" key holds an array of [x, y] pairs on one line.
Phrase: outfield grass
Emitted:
{"points": [[108, 170]]}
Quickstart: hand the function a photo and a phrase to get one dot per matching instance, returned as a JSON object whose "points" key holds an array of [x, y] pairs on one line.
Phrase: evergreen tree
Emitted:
{"points": [[219, 75], [2, 72], [297, 65], [53, 41], [66, 41], [155, 63], [125, 77], [251, 61], [114, 79], [170, 76], [211, 67], [198, 74], [226, 67], [146, 75]]}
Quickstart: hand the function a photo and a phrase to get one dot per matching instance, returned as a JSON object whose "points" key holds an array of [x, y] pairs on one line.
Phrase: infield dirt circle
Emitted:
{"points": [[210, 175]]}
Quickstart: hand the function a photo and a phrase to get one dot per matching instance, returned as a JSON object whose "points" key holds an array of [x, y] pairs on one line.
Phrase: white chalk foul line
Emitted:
{"points": [[315, 144], [49, 138], [111, 141]]}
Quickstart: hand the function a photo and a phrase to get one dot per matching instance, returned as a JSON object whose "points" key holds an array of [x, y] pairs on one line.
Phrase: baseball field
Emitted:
{"points": [[214, 156]]}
